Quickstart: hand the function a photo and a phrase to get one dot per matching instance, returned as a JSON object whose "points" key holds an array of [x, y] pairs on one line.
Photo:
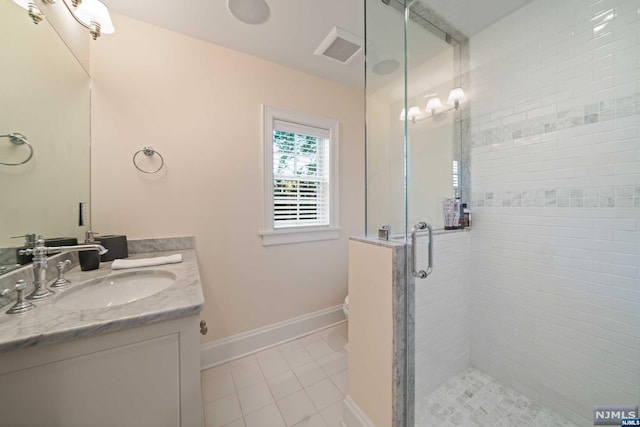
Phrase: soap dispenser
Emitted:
{"points": [[89, 260], [29, 243]]}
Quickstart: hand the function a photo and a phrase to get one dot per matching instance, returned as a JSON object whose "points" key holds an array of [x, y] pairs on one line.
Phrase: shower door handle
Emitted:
{"points": [[422, 274]]}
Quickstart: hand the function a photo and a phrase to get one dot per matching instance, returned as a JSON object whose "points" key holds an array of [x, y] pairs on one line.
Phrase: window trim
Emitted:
{"points": [[304, 233]]}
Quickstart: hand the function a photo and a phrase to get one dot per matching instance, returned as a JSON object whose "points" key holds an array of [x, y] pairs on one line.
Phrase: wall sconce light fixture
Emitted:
{"points": [[91, 14], [434, 106], [456, 96], [414, 113]]}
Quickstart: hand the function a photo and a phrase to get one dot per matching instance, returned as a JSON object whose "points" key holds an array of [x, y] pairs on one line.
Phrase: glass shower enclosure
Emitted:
{"points": [[528, 112]]}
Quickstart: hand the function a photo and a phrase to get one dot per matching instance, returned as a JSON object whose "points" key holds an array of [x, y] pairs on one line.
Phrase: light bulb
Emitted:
{"points": [[455, 97], [434, 104], [90, 11], [414, 112], [22, 3]]}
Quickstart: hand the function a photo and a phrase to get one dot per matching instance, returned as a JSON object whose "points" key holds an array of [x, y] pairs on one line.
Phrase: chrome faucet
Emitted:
{"points": [[40, 252]]}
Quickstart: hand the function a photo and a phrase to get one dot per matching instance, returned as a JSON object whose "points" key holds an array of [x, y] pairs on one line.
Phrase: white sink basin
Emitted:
{"points": [[116, 289]]}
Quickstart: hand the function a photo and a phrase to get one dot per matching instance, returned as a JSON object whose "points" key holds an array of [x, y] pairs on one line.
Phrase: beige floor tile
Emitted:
{"points": [[222, 411], [217, 387], [314, 420], [333, 363], [296, 408], [273, 364], [318, 349], [310, 338], [284, 385], [309, 374], [297, 356], [216, 371], [324, 394], [255, 397], [248, 375], [332, 415], [336, 341], [268, 416], [340, 380]]}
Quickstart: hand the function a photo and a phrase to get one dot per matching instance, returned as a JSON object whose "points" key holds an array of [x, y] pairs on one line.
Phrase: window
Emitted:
{"points": [[300, 178]]}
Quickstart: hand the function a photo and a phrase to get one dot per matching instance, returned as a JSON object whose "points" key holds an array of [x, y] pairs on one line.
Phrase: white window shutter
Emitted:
{"points": [[300, 177]]}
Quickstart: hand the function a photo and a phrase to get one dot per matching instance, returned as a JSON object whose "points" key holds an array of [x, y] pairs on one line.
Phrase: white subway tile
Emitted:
{"points": [[576, 267]]}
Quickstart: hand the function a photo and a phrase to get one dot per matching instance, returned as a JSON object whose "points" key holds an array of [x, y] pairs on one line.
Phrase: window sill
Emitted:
{"points": [[298, 235]]}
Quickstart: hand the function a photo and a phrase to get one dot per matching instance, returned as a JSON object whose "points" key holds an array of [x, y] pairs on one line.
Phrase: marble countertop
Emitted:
{"points": [[49, 323], [399, 239]]}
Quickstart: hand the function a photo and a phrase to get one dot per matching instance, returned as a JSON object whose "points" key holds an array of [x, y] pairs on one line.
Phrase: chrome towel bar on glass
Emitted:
{"points": [[18, 139], [148, 151]]}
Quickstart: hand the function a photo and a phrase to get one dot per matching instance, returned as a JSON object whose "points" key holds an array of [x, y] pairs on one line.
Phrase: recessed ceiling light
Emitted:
{"points": [[386, 66], [253, 12]]}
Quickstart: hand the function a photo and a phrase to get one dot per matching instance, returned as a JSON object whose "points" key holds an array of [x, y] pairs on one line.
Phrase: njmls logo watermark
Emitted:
{"points": [[615, 415]]}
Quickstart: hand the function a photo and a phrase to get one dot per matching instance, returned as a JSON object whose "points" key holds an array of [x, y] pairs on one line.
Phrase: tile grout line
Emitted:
{"points": [[265, 380]]}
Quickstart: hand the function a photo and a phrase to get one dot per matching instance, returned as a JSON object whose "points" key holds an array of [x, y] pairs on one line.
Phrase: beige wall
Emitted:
{"points": [[200, 106], [74, 35], [371, 330]]}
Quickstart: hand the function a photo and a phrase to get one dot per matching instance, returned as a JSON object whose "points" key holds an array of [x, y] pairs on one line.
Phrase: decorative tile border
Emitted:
{"points": [[603, 197], [579, 116]]}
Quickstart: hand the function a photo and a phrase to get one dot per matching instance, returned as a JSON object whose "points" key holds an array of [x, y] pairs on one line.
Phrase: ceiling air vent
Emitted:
{"points": [[340, 45]]}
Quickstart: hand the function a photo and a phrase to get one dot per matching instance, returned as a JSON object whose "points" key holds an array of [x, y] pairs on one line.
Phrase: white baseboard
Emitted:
{"points": [[236, 346], [353, 416]]}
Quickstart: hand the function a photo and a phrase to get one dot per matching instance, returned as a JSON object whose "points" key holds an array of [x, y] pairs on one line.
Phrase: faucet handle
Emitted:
{"points": [[36, 243], [21, 306], [61, 281], [20, 286]]}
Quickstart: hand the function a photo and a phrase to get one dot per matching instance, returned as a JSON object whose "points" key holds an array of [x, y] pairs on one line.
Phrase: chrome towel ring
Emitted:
{"points": [[17, 138], [148, 151]]}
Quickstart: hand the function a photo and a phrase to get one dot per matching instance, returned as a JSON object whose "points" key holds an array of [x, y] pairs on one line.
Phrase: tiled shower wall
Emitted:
{"points": [[442, 318], [555, 118]]}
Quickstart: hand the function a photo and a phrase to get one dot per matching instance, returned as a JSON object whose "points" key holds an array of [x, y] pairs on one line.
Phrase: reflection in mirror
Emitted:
{"points": [[45, 97], [414, 152]]}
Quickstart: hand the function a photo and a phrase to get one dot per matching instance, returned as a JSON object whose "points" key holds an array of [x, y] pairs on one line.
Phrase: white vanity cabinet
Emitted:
{"points": [[142, 376]]}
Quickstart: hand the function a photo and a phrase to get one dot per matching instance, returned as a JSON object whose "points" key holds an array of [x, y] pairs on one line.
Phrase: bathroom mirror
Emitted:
{"points": [[45, 95]]}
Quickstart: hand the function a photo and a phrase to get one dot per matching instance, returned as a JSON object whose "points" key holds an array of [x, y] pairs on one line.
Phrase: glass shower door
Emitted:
{"points": [[414, 161], [441, 321], [531, 319]]}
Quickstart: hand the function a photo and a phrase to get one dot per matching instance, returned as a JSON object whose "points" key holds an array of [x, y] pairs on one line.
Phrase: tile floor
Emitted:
{"points": [[474, 399], [303, 383], [300, 383]]}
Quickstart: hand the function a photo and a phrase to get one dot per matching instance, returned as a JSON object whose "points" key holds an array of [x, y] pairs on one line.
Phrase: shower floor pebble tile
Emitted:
{"points": [[473, 399], [300, 383]]}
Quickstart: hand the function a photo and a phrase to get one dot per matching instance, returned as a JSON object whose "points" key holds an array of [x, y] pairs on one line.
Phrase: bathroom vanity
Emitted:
{"points": [[132, 364]]}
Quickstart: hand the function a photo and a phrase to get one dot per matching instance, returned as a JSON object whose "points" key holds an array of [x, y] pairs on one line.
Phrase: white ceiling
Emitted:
{"points": [[297, 27], [473, 16], [293, 32]]}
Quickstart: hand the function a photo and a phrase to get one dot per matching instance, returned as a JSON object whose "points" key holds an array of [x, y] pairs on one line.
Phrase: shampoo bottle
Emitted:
{"points": [[467, 215]]}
